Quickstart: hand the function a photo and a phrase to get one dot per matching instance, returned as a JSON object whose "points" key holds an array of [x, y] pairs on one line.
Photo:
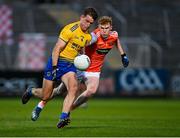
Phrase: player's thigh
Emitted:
{"points": [[70, 80], [47, 88], [92, 83]]}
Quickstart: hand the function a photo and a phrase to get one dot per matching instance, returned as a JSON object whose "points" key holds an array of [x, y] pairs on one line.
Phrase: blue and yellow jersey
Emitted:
{"points": [[75, 40]]}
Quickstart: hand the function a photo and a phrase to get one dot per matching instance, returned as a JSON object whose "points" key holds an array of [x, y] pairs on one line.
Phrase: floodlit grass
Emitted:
{"points": [[102, 117]]}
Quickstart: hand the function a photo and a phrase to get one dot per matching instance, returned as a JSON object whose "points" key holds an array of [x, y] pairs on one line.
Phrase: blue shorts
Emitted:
{"points": [[63, 66]]}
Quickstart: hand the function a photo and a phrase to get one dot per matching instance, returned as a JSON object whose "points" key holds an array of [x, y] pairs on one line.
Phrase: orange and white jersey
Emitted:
{"points": [[98, 50]]}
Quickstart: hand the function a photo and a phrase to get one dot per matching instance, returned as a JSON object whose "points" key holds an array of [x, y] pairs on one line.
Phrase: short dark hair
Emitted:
{"points": [[92, 12]]}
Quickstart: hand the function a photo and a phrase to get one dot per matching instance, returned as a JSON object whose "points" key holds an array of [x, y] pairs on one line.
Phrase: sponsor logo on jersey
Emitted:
{"points": [[74, 27], [75, 46], [103, 51]]}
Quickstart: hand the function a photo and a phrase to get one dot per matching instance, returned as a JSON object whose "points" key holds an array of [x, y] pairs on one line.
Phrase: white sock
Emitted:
{"points": [[41, 104]]}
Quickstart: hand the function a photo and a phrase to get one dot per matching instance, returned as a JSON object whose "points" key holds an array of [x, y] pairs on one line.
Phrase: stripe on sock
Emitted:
{"points": [[41, 104]]}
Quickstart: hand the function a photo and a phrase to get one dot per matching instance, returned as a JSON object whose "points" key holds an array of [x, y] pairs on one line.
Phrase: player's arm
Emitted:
{"points": [[93, 39], [125, 60], [64, 37], [60, 45], [119, 47]]}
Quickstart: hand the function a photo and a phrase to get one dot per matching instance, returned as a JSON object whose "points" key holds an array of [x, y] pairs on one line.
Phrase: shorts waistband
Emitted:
{"points": [[66, 59]]}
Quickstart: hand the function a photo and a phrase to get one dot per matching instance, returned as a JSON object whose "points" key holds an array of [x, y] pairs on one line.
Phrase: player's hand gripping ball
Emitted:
{"points": [[82, 62]]}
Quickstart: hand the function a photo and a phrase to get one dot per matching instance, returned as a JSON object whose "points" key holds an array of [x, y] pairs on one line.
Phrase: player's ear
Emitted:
{"points": [[111, 27], [82, 16]]}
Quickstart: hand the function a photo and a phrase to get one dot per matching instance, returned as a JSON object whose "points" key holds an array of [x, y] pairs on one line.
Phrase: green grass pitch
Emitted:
{"points": [[102, 117]]}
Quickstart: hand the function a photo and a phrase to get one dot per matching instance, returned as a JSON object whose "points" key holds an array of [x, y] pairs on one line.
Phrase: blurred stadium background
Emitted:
{"points": [[148, 29], [149, 32]]}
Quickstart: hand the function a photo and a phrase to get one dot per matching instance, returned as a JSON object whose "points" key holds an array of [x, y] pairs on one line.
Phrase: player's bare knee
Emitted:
{"points": [[45, 97], [91, 91]]}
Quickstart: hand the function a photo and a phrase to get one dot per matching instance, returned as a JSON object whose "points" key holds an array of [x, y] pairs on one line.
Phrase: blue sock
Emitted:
{"points": [[38, 109], [64, 115]]}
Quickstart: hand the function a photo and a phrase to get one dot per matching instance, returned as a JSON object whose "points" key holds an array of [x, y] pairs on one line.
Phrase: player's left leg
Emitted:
{"points": [[37, 110], [92, 84], [56, 91]]}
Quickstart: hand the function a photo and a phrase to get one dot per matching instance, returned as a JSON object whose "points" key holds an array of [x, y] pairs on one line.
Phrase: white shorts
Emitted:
{"points": [[82, 75], [91, 74]]}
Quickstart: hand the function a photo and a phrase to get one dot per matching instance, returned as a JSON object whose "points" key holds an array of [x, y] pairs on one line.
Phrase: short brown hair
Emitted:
{"points": [[104, 20], [92, 12]]}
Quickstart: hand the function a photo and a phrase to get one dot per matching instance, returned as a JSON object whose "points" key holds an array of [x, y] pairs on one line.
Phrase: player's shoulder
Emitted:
{"points": [[114, 34], [72, 26], [97, 32]]}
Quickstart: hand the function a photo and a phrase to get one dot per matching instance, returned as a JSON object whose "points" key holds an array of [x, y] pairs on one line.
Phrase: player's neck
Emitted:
{"points": [[104, 37], [84, 31]]}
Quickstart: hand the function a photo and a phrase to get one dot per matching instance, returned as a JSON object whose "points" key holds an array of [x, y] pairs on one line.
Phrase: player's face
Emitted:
{"points": [[85, 22], [105, 29]]}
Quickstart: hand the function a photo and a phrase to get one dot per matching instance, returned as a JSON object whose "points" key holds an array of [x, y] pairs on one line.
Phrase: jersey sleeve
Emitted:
{"points": [[93, 38], [65, 34], [96, 30], [115, 34]]}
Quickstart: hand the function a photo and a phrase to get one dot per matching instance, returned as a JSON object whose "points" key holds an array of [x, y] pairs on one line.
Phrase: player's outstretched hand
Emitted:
{"points": [[54, 72], [125, 60]]}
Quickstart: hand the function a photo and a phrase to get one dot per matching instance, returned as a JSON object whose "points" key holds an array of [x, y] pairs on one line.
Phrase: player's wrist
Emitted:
{"points": [[54, 67], [123, 55]]}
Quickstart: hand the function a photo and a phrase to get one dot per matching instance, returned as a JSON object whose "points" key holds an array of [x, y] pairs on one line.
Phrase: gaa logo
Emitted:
{"points": [[141, 79]]}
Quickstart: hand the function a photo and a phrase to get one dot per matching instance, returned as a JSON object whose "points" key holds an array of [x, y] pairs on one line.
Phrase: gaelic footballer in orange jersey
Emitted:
{"points": [[106, 40], [98, 51]]}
